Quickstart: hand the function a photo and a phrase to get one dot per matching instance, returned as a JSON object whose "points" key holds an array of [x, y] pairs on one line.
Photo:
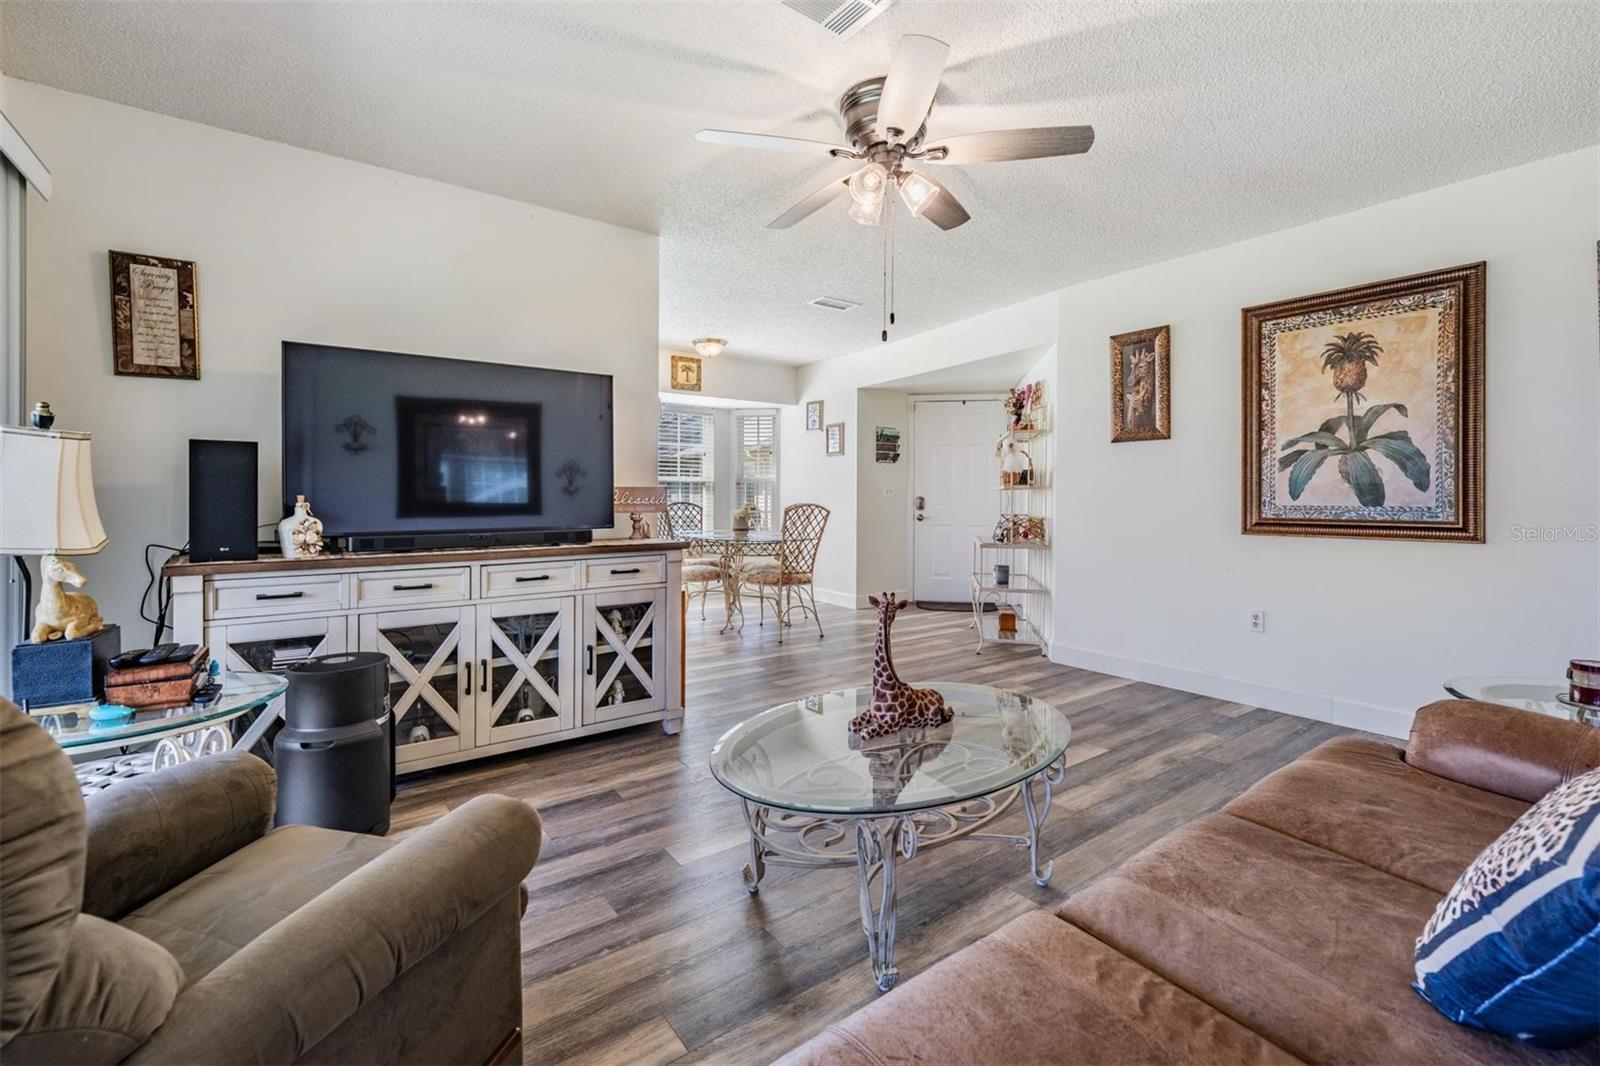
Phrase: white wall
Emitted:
{"points": [[1153, 577], [883, 555], [749, 382], [293, 245]]}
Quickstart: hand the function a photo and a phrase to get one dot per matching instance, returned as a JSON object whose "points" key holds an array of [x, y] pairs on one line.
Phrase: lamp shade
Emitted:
{"points": [[47, 494]]}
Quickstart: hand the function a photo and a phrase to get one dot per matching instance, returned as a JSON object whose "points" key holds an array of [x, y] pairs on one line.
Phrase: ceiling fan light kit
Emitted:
{"points": [[885, 122]]}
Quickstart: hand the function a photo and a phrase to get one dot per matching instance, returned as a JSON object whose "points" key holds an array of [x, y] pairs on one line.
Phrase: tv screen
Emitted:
{"points": [[385, 444]]}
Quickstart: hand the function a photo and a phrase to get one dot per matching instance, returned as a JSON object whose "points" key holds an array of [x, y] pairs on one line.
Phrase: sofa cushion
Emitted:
{"points": [[1513, 752], [41, 863], [1360, 799], [1515, 946], [224, 907], [113, 990], [1036, 990], [1308, 948]]}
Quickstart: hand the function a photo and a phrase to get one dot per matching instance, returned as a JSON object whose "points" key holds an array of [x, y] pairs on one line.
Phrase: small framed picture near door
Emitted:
{"points": [[813, 414], [1363, 410], [834, 435], [155, 316], [1141, 387]]}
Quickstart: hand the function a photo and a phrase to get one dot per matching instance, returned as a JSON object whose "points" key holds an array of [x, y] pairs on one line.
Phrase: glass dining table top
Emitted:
{"points": [[732, 536], [1536, 694], [73, 727], [800, 756]]}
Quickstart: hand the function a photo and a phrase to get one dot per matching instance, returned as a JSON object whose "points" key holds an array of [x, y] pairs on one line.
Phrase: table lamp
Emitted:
{"points": [[638, 501], [47, 508]]}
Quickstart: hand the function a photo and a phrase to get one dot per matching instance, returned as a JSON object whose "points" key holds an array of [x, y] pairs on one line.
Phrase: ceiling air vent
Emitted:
{"points": [[842, 18], [834, 303]]}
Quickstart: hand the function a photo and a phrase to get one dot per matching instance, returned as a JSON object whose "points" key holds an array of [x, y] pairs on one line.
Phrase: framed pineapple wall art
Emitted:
{"points": [[1363, 410], [1141, 392]]}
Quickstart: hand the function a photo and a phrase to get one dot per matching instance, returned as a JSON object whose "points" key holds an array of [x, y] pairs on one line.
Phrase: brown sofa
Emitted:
{"points": [[163, 923], [1280, 930]]}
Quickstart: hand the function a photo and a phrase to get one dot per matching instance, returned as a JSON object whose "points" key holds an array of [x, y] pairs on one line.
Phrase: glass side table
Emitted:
{"points": [[179, 733], [815, 796], [1536, 694]]}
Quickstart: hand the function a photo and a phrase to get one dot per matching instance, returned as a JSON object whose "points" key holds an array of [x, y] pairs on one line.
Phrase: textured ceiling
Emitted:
{"points": [[1214, 122]]}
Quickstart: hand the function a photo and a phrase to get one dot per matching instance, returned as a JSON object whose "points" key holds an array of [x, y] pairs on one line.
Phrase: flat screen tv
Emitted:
{"points": [[413, 451]]}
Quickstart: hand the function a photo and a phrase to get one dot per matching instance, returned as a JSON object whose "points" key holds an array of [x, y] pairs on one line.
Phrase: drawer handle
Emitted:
{"points": [[469, 675], [414, 588], [589, 667], [536, 577], [280, 595], [629, 570], [483, 676]]}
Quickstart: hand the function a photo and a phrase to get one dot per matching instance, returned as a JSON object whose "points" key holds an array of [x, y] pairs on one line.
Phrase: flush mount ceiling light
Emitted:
{"points": [[885, 128], [710, 347]]}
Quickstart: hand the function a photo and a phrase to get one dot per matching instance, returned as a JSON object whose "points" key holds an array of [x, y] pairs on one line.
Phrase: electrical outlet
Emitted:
{"points": [[888, 492], [1258, 620]]}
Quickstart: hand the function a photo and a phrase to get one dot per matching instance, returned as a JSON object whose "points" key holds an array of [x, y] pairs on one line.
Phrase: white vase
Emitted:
{"points": [[300, 535]]}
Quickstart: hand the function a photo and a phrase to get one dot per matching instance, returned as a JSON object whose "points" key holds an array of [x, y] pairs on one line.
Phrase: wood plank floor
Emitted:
{"points": [[640, 943]]}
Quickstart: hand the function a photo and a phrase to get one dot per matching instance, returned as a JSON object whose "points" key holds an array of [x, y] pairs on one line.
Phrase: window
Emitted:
{"points": [[755, 435], [686, 444]]}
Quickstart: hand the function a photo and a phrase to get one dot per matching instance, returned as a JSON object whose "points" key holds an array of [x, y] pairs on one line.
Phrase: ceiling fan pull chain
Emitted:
{"points": [[890, 209], [885, 309]]}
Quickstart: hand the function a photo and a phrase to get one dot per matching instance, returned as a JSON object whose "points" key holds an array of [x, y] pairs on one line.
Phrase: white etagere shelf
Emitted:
{"points": [[1024, 594]]}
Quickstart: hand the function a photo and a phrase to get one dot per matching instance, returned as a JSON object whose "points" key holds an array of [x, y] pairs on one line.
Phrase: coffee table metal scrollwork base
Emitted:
{"points": [[875, 844]]}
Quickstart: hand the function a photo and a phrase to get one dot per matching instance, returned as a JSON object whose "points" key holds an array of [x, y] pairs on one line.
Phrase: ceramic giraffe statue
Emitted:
{"points": [[895, 705]]}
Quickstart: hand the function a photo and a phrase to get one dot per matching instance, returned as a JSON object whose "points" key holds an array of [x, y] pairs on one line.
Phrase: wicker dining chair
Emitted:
{"points": [[787, 579], [700, 571]]}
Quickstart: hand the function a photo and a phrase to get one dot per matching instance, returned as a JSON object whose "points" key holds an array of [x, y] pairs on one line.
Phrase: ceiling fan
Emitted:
{"points": [[885, 122]]}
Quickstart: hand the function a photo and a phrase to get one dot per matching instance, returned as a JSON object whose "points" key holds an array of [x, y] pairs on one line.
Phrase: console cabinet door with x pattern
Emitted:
{"points": [[430, 677], [527, 658], [624, 665]]}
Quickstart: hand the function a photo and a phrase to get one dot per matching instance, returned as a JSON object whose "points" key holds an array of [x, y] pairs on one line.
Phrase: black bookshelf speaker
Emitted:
{"points": [[222, 500]]}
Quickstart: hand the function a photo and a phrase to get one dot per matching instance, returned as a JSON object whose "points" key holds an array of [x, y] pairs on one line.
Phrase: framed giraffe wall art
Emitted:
{"points": [[1141, 392], [1363, 410]]}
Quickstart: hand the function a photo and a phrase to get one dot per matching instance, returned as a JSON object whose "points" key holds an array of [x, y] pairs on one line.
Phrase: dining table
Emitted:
{"points": [[732, 549]]}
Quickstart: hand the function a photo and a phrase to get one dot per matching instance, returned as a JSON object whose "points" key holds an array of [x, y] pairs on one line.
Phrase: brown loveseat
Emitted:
{"points": [[1278, 931], [165, 924]]}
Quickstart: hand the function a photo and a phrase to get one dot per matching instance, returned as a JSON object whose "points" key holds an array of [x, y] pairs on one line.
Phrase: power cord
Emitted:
{"points": [[163, 591]]}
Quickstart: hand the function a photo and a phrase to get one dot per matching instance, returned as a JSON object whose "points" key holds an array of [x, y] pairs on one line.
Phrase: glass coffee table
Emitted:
{"points": [[815, 796], [1537, 694]]}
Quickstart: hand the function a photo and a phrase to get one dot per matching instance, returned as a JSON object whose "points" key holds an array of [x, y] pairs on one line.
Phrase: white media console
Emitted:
{"points": [[490, 650]]}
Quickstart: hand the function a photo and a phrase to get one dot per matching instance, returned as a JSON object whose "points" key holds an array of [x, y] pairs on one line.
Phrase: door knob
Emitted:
{"points": [[920, 516]]}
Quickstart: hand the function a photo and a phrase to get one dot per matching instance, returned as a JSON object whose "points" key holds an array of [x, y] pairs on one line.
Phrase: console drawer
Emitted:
{"points": [[605, 573], [392, 587], [527, 579], [255, 597]]}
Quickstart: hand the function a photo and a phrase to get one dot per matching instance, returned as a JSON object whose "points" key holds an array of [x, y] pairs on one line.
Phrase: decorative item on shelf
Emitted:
{"points": [[41, 417], [1002, 575], [638, 501], [895, 705], [111, 712], [1016, 465], [1141, 389], [1583, 676], [169, 682], [525, 714], [64, 671], [614, 617], [1021, 403], [834, 438], [685, 373], [813, 415], [1002, 530], [1023, 528], [155, 316], [47, 508], [886, 442], [300, 535], [619, 695], [1407, 468], [1006, 620], [419, 734], [745, 518]]}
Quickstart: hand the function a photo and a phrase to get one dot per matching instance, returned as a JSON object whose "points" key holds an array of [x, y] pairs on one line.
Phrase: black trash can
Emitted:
{"points": [[335, 753]]}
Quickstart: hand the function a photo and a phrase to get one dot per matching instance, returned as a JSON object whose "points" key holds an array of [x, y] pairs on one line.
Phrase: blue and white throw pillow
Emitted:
{"points": [[1515, 947]]}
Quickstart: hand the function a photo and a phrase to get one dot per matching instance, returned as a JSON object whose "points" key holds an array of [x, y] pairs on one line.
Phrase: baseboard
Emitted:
{"points": [[1348, 713], [854, 603]]}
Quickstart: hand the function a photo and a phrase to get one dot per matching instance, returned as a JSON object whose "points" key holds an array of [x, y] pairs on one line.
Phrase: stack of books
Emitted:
{"points": [[162, 685]]}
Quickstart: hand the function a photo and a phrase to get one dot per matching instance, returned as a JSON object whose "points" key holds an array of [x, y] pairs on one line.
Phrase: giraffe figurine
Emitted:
{"points": [[895, 705]]}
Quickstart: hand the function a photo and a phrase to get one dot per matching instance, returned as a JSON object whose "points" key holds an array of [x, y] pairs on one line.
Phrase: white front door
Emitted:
{"points": [[955, 494]]}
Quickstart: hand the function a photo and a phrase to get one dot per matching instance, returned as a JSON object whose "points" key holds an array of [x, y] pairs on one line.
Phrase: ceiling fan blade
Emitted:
{"points": [[945, 211], [999, 145], [908, 88], [774, 143], [816, 201]]}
